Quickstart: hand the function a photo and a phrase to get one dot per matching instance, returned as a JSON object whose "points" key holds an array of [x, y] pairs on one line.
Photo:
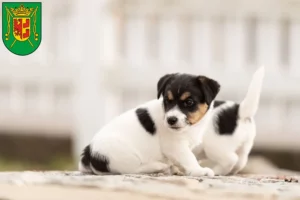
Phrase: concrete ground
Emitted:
{"points": [[73, 185]]}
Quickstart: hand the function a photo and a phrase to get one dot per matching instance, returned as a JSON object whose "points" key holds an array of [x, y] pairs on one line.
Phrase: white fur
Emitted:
{"points": [[130, 149], [229, 153]]}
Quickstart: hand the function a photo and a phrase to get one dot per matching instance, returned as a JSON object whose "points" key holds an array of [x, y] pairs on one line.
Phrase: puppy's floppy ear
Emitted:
{"points": [[162, 83], [210, 88]]}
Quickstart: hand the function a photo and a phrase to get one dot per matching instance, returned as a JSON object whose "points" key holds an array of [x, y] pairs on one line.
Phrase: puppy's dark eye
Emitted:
{"points": [[167, 100], [188, 103]]}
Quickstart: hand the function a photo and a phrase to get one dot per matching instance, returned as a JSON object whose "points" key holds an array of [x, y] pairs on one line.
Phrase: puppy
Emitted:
{"points": [[148, 138], [230, 132]]}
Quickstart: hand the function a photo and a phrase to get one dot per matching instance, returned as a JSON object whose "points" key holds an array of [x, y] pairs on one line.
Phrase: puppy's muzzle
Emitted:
{"points": [[172, 120]]}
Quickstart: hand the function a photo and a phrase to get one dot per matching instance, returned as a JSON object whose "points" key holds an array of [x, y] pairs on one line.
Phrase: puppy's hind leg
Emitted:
{"points": [[120, 158], [243, 154], [225, 161], [125, 159], [153, 167]]}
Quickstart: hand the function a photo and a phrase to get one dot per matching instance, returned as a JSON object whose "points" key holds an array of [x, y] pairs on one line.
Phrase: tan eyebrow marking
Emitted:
{"points": [[170, 95], [185, 95]]}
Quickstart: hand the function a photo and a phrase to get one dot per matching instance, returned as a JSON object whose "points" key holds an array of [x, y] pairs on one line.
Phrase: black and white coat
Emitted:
{"points": [[141, 147], [231, 130], [152, 137]]}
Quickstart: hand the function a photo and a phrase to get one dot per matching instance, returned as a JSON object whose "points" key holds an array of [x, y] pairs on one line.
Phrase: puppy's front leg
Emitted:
{"points": [[180, 154], [199, 152]]}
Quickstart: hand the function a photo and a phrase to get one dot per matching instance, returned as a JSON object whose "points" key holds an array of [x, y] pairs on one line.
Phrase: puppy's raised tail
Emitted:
{"points": [[249, 105]]}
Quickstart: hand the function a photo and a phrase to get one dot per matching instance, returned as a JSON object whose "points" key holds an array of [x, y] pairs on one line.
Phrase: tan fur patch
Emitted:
{"points": [[170, 95], [185, 95], [197, 115]]}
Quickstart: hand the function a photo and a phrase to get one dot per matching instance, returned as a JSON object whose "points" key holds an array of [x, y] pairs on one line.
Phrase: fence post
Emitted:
{"points": [[268, 44], [89, 98], [294, 44], [235, 45], [201, 36]]}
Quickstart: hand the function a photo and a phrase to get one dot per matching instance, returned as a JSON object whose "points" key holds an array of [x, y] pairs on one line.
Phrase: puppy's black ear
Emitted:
{"points": [[162, 83], [210, 88]]}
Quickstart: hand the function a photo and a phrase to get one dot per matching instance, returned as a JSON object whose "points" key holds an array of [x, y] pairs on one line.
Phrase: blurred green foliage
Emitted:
{"points": [[61, 163]]}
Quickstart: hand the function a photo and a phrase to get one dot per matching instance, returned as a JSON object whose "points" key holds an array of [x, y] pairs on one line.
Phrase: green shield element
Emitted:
{"points": [[22, 26]]}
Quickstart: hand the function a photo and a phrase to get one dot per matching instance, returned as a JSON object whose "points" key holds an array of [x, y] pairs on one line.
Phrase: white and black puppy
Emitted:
{"points": [[230, 132], [145, 139]]}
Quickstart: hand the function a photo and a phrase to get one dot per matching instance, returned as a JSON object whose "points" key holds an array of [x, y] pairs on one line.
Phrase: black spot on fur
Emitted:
{"points": [[98, 161], [86, 156], [226, 121], [218, 103], [146, 120]]}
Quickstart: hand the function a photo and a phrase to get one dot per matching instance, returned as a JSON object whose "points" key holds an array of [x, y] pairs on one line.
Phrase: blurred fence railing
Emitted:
{"points": [[101, 58]]}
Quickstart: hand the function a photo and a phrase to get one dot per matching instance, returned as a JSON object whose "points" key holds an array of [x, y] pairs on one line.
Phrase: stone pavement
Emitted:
{"points": [[73, 185]]}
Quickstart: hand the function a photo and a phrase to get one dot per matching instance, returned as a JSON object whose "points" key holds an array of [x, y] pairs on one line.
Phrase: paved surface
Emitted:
{"points": [[73, 185]]}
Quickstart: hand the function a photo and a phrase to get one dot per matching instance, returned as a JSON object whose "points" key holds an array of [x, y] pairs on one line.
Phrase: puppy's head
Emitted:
{"points": [[186, 98]]}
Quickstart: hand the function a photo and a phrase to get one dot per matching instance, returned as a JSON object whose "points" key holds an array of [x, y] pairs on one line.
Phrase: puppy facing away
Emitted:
{"points": [[230, 132], [148, 138]]}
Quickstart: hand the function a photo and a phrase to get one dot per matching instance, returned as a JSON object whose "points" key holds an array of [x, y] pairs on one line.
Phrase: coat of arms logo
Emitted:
{"points": [[21, 26]]}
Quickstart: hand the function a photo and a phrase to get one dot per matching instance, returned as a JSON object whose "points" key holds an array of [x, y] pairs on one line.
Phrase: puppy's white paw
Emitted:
{"points": [[209, 172], [201, 172], [218, 171]]}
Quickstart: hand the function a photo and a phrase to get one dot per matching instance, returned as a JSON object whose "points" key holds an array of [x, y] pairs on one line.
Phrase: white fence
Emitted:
{"points": [[100, 58]]}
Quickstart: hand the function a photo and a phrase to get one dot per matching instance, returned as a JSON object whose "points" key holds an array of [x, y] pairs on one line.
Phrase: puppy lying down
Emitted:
{"points": [[230, 131], [153, 136]]}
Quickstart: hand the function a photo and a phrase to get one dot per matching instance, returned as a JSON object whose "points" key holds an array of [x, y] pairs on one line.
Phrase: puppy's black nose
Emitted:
{"points": [[172, 120]]}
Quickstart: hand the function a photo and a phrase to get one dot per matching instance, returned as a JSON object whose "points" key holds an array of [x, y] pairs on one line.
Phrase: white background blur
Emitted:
{"points": [[99, 58]]}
